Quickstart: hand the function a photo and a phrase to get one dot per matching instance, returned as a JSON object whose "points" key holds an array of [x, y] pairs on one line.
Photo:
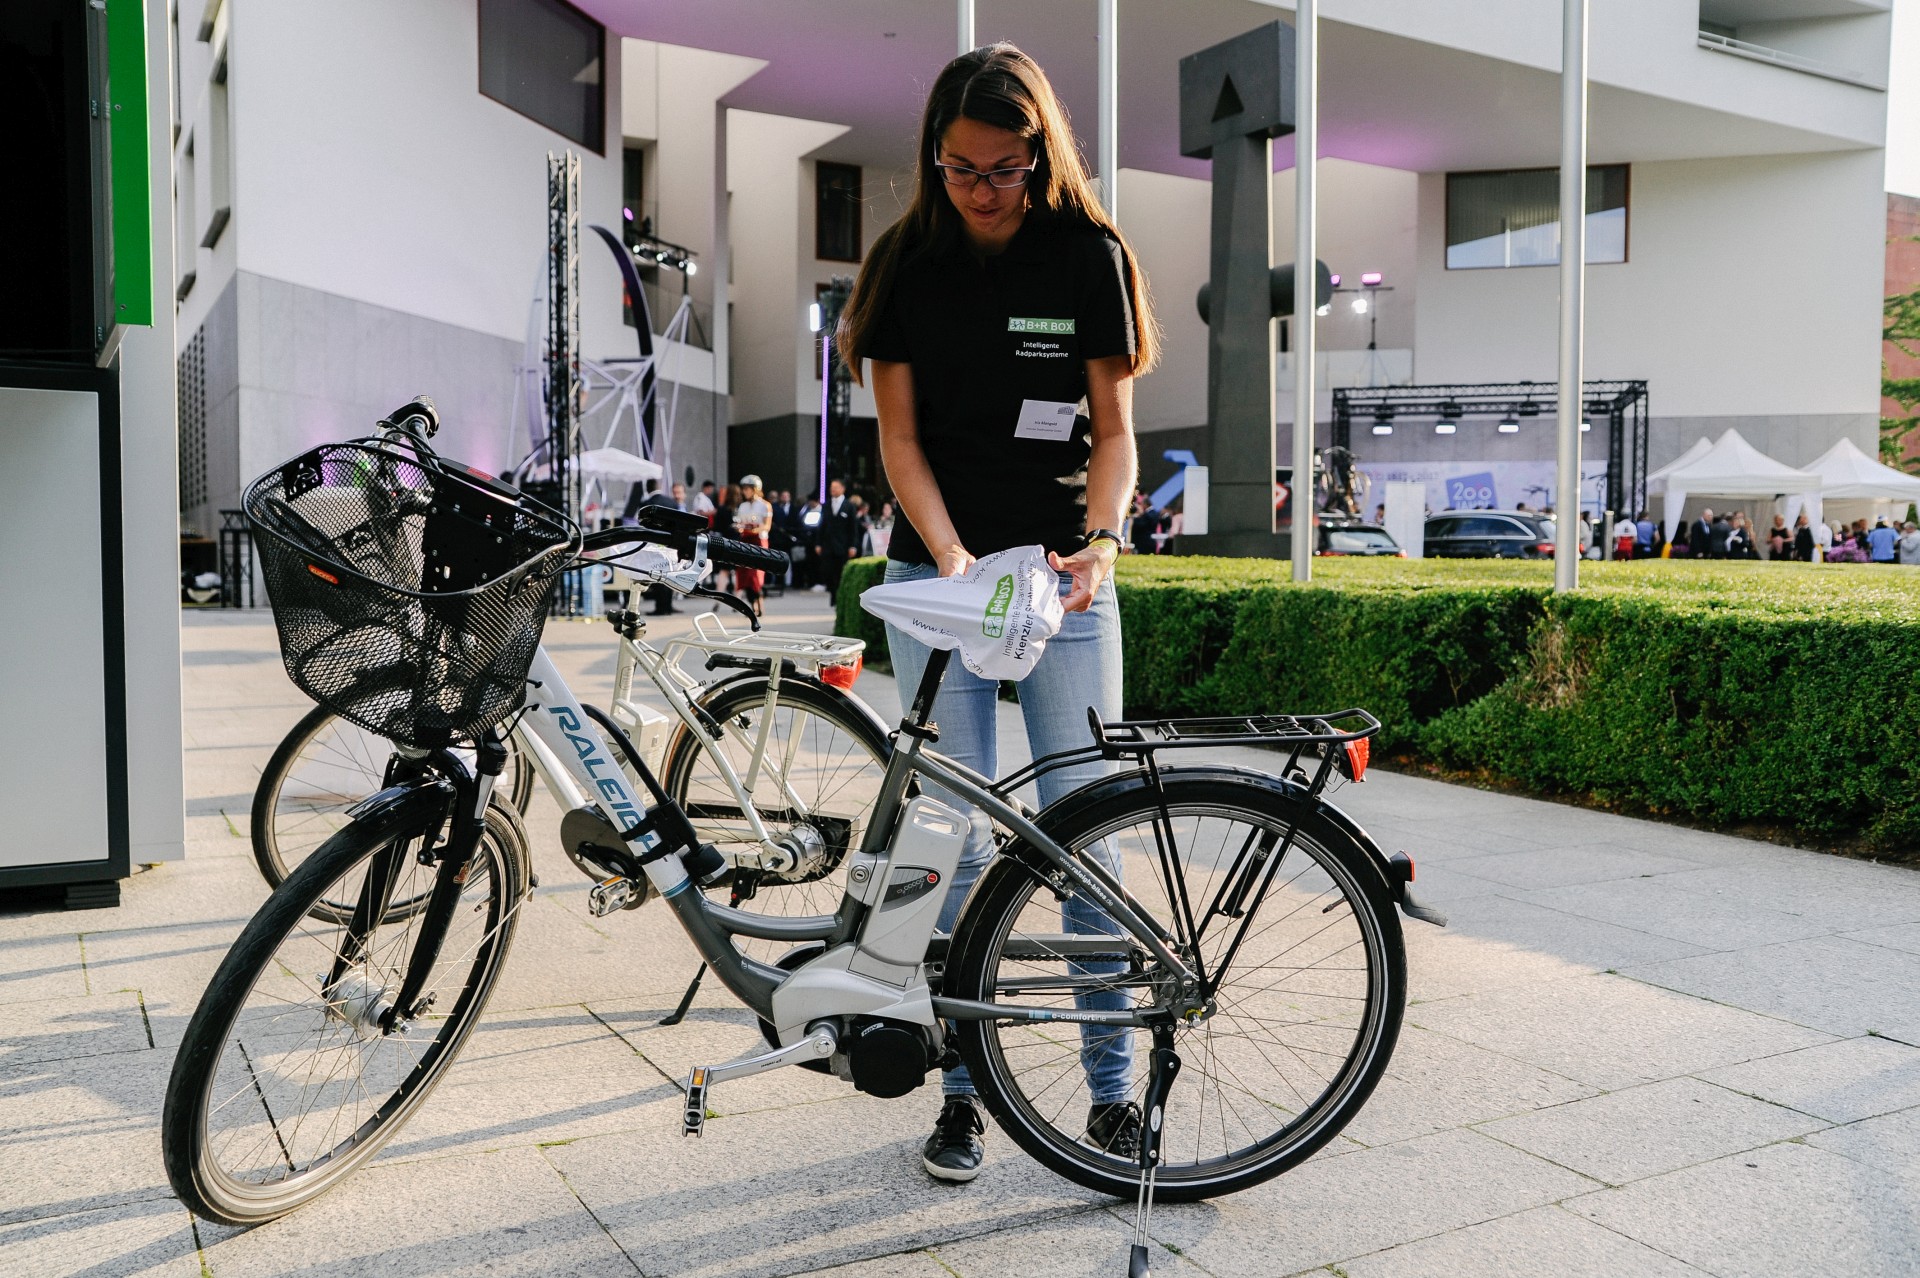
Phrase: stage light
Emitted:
{"points": [[1382, 428], [693, 268], [1324, 310], [1450, 409], [1509, 425], [627, 213], [1370, 278], [1529, 409], [1444, 428], [1585, 426], [1359, 306], [1335, 280], [813, 317]]}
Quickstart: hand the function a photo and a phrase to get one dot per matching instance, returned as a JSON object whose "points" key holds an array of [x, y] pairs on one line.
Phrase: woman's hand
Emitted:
{"points": [[1089, 568], [952, 561]]}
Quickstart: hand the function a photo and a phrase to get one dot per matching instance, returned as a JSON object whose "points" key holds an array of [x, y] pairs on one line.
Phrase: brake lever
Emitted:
{"points": [[734, 602]]}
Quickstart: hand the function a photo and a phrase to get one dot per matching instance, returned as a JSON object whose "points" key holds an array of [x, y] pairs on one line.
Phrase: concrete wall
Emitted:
{"points": [[369, 167], [1368, 217], [1730, 261], [1649, 46], [769, 185], [670, 96]]}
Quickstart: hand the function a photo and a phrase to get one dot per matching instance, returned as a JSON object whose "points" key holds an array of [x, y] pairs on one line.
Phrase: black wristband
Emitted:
{"points": [[1097, 534]]}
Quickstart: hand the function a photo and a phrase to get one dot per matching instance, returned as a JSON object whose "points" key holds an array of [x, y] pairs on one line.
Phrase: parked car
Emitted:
{"points": [[1489, 534], [1357, 539]]}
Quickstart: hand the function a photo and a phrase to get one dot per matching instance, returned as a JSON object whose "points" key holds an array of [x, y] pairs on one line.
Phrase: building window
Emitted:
{"points": [[219, 155], [1512, 217], [836, 211], [544, 59]]}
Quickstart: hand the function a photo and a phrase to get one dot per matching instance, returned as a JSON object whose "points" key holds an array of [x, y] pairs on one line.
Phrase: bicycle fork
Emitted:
{"points": [[364, 1007]]}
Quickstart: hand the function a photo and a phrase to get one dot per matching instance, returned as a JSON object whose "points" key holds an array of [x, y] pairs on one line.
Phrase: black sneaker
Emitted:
{"points": [[1114, 1128], [954, 1151]]}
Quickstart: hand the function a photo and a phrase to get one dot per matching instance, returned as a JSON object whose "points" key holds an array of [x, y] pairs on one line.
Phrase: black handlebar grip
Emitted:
{"points": [[743, 554], [420, 406]]}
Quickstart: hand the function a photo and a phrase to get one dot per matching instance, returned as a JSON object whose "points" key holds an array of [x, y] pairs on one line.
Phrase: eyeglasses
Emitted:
{"points": [[966, 179]]}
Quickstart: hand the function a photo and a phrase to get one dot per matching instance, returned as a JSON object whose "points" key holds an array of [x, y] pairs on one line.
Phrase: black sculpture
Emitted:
{"points": [[1235, 98]]}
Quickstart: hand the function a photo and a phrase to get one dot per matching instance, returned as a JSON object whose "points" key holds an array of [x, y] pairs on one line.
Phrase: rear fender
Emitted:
{"points": [[1396, 871]]}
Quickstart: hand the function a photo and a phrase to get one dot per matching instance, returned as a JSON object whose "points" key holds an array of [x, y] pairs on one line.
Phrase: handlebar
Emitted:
{"points": [[681, 537]]}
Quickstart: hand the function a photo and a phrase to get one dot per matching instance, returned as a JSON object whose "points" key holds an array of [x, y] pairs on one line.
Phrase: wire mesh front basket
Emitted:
{"points": [[409, 592]]}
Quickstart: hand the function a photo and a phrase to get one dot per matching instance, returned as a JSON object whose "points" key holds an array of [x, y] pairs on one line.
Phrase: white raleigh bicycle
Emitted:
{"points": [[1244, 955], [774, 760]]}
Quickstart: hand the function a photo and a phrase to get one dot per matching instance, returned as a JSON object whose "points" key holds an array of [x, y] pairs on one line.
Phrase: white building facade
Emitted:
{"points": [[361, 221]]}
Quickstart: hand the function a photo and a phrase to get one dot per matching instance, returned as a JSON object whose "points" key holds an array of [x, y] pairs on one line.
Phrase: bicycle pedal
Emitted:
{"points": [[693, 1120], [609, 895]]}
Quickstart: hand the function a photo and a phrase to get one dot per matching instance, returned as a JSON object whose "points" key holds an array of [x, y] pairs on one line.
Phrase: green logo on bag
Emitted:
{"points": [[1018, 325], [995, 623]]}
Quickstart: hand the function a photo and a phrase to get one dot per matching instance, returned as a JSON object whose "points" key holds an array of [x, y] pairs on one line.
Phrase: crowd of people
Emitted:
{"points": [[818, 537], [1730, 535]]}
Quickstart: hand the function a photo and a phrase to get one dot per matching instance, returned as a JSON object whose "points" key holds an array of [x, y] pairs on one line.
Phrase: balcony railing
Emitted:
{"points": [[1781, 58]]}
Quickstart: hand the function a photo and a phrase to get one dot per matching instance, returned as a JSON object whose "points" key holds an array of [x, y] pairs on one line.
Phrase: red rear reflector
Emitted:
{"points": [[843, 676], [323, 574], [1357, 752]]}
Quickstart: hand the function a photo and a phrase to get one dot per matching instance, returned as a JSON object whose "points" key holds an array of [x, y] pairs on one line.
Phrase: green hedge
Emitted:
{"points": [[1774, 694]]}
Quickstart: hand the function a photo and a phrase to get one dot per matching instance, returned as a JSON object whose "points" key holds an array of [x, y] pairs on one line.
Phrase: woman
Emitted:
{"points": [[752, 521], [1003, 300], [1803, 539], [1779, 539]]}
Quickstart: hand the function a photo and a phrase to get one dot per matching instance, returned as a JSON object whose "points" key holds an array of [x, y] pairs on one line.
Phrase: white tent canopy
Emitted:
{"points": [[1699, 449], [618, 466], [1847, 472], [1731, 467]]}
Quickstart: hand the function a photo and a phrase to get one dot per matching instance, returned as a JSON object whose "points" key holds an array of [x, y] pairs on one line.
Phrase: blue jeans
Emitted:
{"points": [[1080, 668]]}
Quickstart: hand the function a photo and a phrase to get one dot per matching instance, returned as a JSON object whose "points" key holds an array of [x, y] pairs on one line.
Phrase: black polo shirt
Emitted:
{"points": [[999, 349]]}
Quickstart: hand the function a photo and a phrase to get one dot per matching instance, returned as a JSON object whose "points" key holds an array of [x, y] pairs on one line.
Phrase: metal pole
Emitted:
{"points": [[1573, 273], [1110, 106], [1306, 135], [966, 46]]}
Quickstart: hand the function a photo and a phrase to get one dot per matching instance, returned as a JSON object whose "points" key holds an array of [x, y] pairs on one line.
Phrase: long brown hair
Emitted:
{"points": [[1000, 86]]}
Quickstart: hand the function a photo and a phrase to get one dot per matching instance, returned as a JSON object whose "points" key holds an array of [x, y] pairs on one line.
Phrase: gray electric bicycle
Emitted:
{"points": [[1226, 935]]}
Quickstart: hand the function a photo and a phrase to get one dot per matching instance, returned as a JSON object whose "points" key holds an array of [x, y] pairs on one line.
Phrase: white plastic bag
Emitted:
{"points": [[999, 613]]}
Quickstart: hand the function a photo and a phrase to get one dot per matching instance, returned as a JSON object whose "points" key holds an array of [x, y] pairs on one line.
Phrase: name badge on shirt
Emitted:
{"points": [[1045, 419]]}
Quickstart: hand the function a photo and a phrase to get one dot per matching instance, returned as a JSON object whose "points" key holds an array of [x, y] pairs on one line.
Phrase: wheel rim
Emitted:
{"points": [[1275, 1068], [303, 1086], [819, 779], [337, 766]]}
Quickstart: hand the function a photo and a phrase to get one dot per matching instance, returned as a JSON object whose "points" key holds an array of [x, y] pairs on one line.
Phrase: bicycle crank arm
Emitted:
{"points": [[820, 1043]]}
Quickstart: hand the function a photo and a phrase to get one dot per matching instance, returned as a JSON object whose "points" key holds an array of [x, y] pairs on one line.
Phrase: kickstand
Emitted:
{"points": [[686, 1000], [1165, 1064]]}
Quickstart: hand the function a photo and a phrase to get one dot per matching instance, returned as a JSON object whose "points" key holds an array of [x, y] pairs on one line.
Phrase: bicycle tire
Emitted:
{"points": [[346, 764], [1018, 1067], [239, 1159], [837, 780]]}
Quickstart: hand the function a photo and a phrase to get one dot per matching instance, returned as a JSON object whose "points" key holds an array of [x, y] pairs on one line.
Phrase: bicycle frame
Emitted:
{"points": [[661, 666], [557, 720]]}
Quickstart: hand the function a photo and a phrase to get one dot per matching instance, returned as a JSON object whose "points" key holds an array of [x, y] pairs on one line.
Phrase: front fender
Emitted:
{"points": [[405, 803]]}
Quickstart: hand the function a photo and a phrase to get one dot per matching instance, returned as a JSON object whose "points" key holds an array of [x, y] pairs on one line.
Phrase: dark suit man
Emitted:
{"points": [[1718, 537], [1700, 536], [838, 537], [780, 534]]}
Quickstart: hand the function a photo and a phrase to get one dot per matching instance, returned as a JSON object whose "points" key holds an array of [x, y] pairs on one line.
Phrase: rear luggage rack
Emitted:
{"points": [[1129, 738], [1316, 745]]}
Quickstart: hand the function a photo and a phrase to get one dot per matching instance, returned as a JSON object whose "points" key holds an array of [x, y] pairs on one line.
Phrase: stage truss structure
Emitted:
{"points": [[1617, 411]]}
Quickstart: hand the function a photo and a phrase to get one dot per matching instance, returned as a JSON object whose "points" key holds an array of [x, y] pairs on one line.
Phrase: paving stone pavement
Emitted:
{"points": [[1637, 1050]]}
